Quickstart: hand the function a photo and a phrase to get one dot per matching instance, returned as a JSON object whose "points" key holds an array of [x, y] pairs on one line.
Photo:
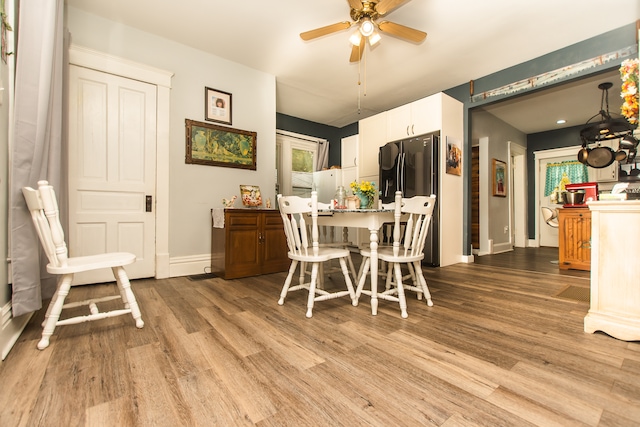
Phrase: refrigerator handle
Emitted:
{"points": [[401, 182]]}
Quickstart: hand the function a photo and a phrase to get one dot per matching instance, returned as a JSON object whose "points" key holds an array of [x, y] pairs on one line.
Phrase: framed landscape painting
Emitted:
{"points": [[208, 144]]}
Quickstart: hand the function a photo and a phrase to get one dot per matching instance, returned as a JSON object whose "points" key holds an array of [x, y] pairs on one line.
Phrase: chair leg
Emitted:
{"points": [[130, 299], [312, 289], [287, 282], [54, 310], [352, 268], [415, 280], [364, 268], [401, 298], [347, 279], [423, 283]]}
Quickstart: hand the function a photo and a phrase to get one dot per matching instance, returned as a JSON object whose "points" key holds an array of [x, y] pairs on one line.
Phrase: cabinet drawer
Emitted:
{"points": [[240, 220]]}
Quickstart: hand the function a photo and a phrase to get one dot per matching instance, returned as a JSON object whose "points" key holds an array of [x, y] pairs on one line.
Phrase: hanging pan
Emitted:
{"points": [[600, 157], [583, 154]]}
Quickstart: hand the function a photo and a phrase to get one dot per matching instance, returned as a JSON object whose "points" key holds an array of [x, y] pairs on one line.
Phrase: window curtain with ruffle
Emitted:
{"points": [[573, 171]]}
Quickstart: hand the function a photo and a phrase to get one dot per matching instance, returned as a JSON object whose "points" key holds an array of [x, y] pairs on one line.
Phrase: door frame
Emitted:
{"points": [[517, 195], [99, 61]]}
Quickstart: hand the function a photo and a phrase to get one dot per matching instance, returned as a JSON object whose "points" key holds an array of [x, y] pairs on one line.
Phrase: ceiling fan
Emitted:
{"points": [[365, 14]]}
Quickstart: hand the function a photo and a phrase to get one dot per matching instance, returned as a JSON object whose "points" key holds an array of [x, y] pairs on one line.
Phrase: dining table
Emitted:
{"points": [[372, 219]]}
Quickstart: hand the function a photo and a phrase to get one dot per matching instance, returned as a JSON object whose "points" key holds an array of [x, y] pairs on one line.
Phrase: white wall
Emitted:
{"points": [[194, 189], [497, 134]]}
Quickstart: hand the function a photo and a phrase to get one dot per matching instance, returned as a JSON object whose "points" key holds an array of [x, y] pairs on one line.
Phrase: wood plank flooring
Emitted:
{"points": [[498, 348]]}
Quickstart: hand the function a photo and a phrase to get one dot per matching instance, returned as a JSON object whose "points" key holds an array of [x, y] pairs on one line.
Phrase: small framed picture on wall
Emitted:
{"points": [[217, 106], [499, 178]]}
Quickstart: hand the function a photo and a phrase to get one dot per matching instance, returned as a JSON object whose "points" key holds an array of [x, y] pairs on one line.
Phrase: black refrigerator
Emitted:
{"points": [[411, 166]]}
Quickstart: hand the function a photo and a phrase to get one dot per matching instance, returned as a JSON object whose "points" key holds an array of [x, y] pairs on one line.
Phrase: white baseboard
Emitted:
{"points": [[467, 259], [533, 243], [12, 327], [502, 247], [189, 265]]}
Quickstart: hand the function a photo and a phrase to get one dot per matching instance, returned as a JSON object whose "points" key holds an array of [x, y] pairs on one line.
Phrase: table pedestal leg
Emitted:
{"points": [[373, 244]]}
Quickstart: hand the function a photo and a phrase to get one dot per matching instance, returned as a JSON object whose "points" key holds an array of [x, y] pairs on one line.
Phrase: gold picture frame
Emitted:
{"points": [[499, 178], [208, 144]]}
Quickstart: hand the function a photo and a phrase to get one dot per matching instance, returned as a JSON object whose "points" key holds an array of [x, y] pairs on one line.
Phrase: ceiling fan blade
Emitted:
{"points": [[385, 6], [357, 51], [323, 31], [402, 31], [355, 4]]}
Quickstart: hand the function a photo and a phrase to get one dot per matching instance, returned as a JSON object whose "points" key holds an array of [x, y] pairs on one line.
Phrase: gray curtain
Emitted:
{"points": [[37, 150], [322, 161]]}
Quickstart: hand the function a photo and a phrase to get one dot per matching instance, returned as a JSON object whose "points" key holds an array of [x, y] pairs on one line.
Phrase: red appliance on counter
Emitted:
{"points": [[590, 190]]}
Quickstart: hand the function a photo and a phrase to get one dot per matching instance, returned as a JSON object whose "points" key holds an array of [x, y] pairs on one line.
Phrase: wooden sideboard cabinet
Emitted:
{"points": [[252, 242], [574, 238]]}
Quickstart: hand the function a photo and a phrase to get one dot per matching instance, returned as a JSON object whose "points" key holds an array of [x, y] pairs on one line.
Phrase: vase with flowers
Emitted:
{"points": [[366, 192], [629, 93]]}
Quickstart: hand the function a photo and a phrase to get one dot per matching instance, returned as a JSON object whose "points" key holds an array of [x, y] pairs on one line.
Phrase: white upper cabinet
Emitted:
{"points": [[373, 135], [416, 118], [349, 152]]}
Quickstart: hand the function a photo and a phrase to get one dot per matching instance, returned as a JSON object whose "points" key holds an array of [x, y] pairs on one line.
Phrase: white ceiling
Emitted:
{"points": [[467, 39]]}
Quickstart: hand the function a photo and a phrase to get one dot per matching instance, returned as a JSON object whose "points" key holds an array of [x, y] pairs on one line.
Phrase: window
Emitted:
{"points": [[295, 160]]}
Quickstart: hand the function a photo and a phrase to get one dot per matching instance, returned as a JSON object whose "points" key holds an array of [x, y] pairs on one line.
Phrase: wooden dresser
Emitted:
{"points": [[574, 238], [251, 242]]}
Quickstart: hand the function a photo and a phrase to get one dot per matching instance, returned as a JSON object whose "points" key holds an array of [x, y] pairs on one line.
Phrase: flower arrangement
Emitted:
{"points": [[365, 187], [629, 75]]}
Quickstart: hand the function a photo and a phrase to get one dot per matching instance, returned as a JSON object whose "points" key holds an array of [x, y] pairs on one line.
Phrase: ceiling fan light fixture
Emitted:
{"points": [[355, 38], [366, 27], [374, 38]]}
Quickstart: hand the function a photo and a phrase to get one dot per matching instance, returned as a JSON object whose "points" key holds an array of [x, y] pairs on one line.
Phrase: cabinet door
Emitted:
{"points": [[574, 242], [273, 244], [426, 115], [373, 135], [399, 123], [349, 152], [242, 248]]}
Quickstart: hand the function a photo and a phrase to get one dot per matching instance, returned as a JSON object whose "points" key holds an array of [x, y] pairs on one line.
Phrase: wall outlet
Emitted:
{"points": [[506, 229]]}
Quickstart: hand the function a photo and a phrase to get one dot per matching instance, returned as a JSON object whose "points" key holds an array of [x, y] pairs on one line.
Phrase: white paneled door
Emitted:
{"points": [[112, 160]]}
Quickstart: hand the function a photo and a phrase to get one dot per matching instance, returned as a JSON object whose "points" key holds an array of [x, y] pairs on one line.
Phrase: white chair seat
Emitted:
{"points": [[43, 206], [324, 254], [93, 262]]}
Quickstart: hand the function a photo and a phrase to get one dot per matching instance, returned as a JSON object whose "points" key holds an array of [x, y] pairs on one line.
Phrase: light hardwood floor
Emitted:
{"points": [[498, 348]]}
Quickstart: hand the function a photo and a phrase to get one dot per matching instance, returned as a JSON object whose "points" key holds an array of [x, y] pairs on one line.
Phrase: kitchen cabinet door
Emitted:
{"points": [[417, 118], [349, 152], [372, 136], [574, 238]]}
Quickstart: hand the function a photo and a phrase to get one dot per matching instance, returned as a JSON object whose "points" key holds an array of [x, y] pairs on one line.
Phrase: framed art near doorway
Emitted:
{"points": [[217, 106], [499, 178], [209, 144]]}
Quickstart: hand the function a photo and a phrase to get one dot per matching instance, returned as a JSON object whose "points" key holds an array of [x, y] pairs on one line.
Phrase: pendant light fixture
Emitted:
{"points": [[603, 127]]}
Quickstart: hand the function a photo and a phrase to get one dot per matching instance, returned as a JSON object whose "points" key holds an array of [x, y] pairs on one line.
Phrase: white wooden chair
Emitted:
{"points": [[408, 248], [304, 249], [550, 216], [43, 206]]}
